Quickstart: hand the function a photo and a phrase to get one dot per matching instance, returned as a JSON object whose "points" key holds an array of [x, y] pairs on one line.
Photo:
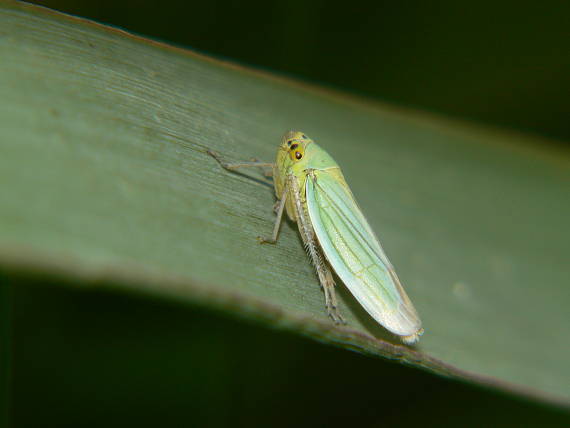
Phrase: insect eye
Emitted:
{"points": [[304, 137], [294, 146], [289, 142], [298, 155]]}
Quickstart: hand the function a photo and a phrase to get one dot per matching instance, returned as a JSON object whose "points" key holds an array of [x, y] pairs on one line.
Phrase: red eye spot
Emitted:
{"points": [[298, 155]]}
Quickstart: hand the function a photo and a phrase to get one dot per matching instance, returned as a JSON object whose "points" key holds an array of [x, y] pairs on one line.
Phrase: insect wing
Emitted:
{"points": [[355, 254]]}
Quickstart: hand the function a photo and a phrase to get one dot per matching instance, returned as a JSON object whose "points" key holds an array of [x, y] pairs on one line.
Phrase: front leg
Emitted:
{"points": [[254, 163], [279, 209]]}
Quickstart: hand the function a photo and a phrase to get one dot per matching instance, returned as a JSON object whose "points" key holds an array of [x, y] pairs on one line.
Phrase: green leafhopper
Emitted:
{"points": [[310, 187]]}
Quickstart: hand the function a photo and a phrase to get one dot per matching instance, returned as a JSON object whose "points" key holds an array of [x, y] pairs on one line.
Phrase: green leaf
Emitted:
{"points": [[104, 179]]}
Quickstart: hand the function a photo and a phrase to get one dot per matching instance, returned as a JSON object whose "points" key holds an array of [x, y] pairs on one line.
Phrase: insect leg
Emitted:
{"points": [[278, 208], [328, 284], [323, 271], [332, 308], [231, 166], [266, 173]]}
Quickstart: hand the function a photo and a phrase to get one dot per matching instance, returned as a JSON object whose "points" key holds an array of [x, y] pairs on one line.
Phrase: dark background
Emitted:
{"points": [[91, 359], [96, 359], [504, 63]]}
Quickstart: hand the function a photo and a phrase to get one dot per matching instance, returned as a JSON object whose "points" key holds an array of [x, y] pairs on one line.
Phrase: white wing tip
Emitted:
{"points": [[412, 338]]}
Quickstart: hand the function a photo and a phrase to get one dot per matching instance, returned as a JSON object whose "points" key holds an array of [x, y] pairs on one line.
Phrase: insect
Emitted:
{"points": [[310, 187]]}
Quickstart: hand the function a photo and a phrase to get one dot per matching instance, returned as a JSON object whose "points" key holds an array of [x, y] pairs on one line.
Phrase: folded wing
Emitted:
{"points": [[355, 254]]}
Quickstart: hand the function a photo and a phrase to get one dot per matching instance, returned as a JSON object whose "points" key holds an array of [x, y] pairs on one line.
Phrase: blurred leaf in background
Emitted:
{"points": [[504, 63]]}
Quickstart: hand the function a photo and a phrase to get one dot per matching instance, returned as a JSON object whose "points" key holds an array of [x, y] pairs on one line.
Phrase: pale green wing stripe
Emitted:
{"points": [[338, 202], [371, 275], [355, 254], [343, 202], [343, 219]]}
